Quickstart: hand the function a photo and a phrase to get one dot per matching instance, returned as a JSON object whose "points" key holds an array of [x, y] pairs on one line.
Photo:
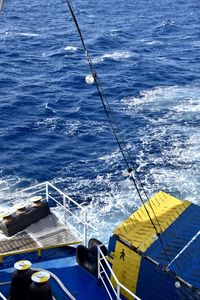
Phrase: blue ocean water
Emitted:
{"points": [[52, 124]]}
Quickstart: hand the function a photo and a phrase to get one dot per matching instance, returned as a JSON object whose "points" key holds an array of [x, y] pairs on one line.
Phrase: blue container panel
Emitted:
{"points": [[174, 239], [154, 284]]}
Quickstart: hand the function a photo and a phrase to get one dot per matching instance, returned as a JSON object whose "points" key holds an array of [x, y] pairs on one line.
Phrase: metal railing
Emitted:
{"points": [[73, 215], [2, 296], [103, 269]]}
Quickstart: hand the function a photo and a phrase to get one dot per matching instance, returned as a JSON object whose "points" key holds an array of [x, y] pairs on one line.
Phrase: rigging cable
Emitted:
{"points": [[121, 144], [1, 5]]}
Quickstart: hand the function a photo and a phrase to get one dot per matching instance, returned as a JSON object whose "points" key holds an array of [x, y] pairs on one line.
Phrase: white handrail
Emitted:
{"points": [[63, 194], [45, 188], [120, 286], [2, 296], [83, 210], [32, 187]]}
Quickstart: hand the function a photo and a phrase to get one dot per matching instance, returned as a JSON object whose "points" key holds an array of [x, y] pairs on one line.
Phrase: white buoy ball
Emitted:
{"points": [[177, 284], [89, 79]]}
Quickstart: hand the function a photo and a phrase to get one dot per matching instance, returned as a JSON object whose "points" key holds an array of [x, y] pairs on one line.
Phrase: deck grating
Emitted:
{"points": [[47, 232]]}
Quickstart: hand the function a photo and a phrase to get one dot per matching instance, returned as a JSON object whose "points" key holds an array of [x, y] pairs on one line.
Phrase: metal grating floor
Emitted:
{"points": [[21, 241], [47, 232]]}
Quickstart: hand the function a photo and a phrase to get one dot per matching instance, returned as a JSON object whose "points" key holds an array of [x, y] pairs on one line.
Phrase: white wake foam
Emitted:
{"points": [[70, 48], [168, 157], [117, 55], [170, 140], [179, 98], [25, 34]]}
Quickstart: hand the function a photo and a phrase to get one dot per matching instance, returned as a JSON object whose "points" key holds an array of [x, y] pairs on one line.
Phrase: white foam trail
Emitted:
{"points": [[76, 127], [151, 42], [193, 105], [179, 98], [49, 123], [173, 168], [117, 55], [50, 108], [70, 48], [106, 210], [8, 186], [166, 23], [26, 34], [173, 164], [196, 43]]}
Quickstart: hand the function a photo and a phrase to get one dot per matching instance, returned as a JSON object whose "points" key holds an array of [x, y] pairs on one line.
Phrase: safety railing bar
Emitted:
{"points": [[78, 218], [79, 235], [63, 194], [52, 198], [44, 187], [53, 187], [2, 296], [110, 269], [109, 280], [104, 271], [32, 187], [22, 193], [74, 230], [30, 193], [109, 294], [75, 216], [114, 276], [39, 190]]}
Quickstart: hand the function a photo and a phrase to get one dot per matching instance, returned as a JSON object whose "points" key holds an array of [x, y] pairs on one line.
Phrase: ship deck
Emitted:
{"points": [[62, 262]]}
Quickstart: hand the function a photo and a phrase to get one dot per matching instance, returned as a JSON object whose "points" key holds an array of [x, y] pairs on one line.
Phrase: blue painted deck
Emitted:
{"points": [[62, 262]]}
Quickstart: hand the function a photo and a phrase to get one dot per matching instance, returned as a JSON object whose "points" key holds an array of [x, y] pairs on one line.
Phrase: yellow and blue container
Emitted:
{"points": [[162, 263]]}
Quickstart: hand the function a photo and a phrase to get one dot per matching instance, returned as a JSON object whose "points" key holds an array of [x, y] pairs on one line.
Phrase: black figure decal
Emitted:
{"points": [[122, 254]]}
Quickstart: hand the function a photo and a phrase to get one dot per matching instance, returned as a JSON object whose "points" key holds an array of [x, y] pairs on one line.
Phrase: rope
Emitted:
{"points": [[121, 144], [184, 248], [1, 5], [59, 282]]}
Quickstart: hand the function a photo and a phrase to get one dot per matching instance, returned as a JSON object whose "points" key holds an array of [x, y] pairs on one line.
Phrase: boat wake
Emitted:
{"points": [[165, 148], [117, 55]]}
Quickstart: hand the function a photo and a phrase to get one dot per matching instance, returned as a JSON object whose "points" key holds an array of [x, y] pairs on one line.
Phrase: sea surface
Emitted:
{"points": [[52, 124]]}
